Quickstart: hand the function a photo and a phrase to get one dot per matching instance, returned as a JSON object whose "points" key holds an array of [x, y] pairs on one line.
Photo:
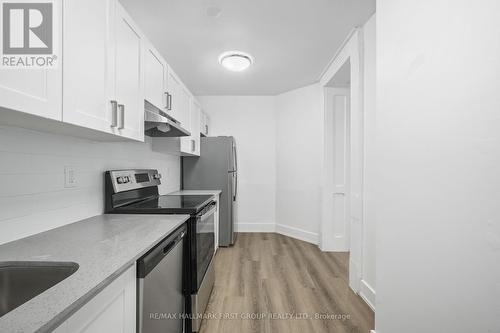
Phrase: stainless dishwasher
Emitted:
{"points": [[161, 286]]}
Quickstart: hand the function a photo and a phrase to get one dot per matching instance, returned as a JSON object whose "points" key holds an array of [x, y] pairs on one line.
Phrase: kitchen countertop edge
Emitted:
{"points": [[48, 325], [78, 304]]}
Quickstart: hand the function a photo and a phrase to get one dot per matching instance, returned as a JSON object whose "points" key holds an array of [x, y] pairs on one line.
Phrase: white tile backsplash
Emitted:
{"points": [[32, 193]]}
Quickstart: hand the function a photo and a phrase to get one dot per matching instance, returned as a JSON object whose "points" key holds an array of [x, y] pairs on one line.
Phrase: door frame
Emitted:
{"points": [[336, 237], [351, 50]]}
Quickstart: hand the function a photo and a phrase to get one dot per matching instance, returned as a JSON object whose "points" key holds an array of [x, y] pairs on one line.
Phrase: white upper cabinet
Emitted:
{"points": [[195, 122], [190, 145], [164, 89], [180, 100], [207, 125], [184, 108], [103, 71], [109, 69], [33, 91], [89, 72], [203, 118], [37, 92], [204, 124], [174, 85], [155, 78], [129, 86]]}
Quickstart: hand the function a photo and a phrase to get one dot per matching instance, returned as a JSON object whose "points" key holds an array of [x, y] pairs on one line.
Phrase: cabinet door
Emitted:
{"points": [[129, 76], [113, 310], [195, 122], [187, 143], [184, 102], [88, 64], [207, 125], [204, 124], [190, 145], [155, 73], [34, 91], [180, 100], [174, 88]]}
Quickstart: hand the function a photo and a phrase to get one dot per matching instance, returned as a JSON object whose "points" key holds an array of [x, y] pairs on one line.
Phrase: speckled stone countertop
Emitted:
{"points": [[197, 192], [104, 246]]}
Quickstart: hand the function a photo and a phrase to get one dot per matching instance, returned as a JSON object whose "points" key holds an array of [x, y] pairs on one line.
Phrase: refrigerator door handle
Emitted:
{"points": [[235, 157], [235, 186]]}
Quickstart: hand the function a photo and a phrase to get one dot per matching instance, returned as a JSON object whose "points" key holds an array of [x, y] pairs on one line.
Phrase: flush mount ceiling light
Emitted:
{"points": [[235, 61]]}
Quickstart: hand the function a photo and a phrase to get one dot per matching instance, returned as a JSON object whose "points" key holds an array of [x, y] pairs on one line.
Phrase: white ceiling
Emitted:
{"points": [[292, 41]]}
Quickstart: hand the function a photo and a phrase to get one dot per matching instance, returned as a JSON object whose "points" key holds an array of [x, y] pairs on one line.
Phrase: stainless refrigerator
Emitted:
{"points": [[216, 169]]}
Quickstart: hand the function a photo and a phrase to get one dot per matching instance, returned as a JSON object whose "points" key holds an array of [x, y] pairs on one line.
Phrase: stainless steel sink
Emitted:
{"points": [[21, 281]]}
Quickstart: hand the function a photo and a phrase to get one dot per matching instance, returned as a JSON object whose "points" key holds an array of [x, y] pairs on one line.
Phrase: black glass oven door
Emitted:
{"points": [[205, 241]]}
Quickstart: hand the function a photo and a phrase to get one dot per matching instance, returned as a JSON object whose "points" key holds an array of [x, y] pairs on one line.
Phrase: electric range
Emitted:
{"points": [[136, 192]]}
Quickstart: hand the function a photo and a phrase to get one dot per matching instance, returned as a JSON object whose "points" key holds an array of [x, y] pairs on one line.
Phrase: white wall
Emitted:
{"points": [[252, 122], [368, 282], [438, 151], [32, 196], [299, 150], [279, 152]]}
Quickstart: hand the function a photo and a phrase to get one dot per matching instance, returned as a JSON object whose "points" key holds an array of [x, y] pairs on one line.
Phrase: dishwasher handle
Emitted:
{"points": [[151, 259], [170, 245]]}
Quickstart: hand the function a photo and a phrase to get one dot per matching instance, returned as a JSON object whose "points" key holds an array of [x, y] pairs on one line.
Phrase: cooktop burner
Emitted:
{"points": [[171, 204]]}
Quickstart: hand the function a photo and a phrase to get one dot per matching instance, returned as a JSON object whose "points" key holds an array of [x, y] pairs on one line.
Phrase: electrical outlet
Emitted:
{"points": [[69, 177]]}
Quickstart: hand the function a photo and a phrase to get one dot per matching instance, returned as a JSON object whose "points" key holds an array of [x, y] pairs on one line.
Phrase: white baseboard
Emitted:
{"points": [[255, 227], [367, 293], [297, 233], [372, 331]]}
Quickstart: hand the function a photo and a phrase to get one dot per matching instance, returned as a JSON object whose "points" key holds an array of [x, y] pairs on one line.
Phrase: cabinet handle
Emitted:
{"points": [[166, 100], [121, 107], [114, 114], [169, 96], [206, 129], [193, 145]]}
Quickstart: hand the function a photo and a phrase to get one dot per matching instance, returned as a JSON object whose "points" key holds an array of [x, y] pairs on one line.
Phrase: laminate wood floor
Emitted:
{"points": [[273, 283]]}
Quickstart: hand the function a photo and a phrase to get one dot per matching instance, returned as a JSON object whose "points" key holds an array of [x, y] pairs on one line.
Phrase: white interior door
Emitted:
{"points": [[336, 192]]}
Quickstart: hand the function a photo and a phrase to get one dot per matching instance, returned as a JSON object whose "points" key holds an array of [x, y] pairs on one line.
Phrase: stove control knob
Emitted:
{"points": [[157, 176], [126, 179], [120, 180]]}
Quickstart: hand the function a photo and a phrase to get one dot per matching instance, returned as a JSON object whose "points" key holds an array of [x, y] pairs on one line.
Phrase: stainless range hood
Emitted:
{"points": [[159, 124]]}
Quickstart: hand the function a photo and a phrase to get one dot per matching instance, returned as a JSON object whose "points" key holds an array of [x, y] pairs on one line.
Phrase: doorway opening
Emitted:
{"points": [[342, 194], [338, 157]]}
